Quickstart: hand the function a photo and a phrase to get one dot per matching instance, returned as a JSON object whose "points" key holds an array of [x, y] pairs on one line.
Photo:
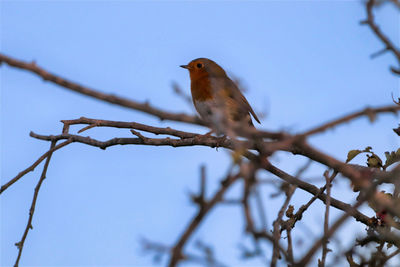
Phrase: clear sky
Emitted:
{"points": [[303, 63]]}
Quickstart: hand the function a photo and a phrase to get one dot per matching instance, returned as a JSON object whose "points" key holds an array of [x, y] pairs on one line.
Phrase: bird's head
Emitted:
{"points": [[203, 67]]}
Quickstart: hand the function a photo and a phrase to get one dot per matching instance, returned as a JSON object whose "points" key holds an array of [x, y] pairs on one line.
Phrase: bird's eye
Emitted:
{"points": [[199, 65]]}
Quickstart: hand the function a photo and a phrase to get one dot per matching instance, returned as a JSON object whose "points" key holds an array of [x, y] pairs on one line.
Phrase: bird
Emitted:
{"points": [[217, 98]]}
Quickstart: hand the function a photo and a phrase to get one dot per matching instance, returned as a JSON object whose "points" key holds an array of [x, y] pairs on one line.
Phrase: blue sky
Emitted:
{"points": [[302, 62]]}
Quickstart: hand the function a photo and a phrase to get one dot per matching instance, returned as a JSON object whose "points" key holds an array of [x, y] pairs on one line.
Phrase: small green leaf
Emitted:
{"points": [[352, 154]]}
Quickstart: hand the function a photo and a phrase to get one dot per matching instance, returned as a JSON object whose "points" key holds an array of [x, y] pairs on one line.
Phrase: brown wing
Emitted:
{"points": [[235, 93]]}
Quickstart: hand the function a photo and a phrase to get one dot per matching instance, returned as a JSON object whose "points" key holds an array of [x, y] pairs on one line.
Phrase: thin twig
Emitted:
{"points": [[260, 207], [389, 46], [306, 258], [277, 223], [203, 182], [290, 223], [128, 125], [20, 244], [290, 245], [179, 92], [176, 254], [33, 166], [325, 249], [315, 191], [370, 112]]}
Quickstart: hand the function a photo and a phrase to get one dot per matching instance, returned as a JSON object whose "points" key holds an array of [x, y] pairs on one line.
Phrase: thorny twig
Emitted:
{"points": [[328, 185], [206, 258], [365, 195], [389, 45], [289, 191], [176, 253], [20, 244], [276, 233]]}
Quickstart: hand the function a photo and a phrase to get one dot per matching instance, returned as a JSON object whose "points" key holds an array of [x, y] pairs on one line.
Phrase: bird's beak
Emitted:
{"points": [[185, 66]]}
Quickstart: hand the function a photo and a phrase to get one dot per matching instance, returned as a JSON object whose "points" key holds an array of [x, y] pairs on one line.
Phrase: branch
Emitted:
{"points": [[328, 234], [126, 125], [159, 249], [21, 243], [177, 250], [290, 223], [204, 141], [316, 192], [389, 46], [363, 197], [33, 166], [277, 224], [325, 242], [276, 233], [369, 112], [250, 181], [201, 140], [110, 98], [251, 133], [302, 148], [285, 141]]}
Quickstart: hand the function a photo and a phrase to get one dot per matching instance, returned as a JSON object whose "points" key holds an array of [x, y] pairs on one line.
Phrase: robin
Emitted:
{"points": [[216, 97]]}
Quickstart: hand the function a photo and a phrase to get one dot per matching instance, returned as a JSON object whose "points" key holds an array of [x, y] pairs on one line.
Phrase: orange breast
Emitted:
{"points": [[201, 89]]}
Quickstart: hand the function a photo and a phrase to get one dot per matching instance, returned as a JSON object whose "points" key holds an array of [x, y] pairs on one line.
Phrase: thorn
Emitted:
{"points": [[141, 137], [380, 52], [395, 71]]}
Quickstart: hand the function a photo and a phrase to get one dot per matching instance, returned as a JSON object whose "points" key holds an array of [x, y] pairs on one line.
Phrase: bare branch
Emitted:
{"points": [[365, 195], [110, 98], [316, 192], [369, 112], [177, 249], [389, 46], [330, 232], [200, 140], [290, 223], [158, 249], [33, 166], [328, 185], [276, 233], [128, 125], [20, 244]]}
